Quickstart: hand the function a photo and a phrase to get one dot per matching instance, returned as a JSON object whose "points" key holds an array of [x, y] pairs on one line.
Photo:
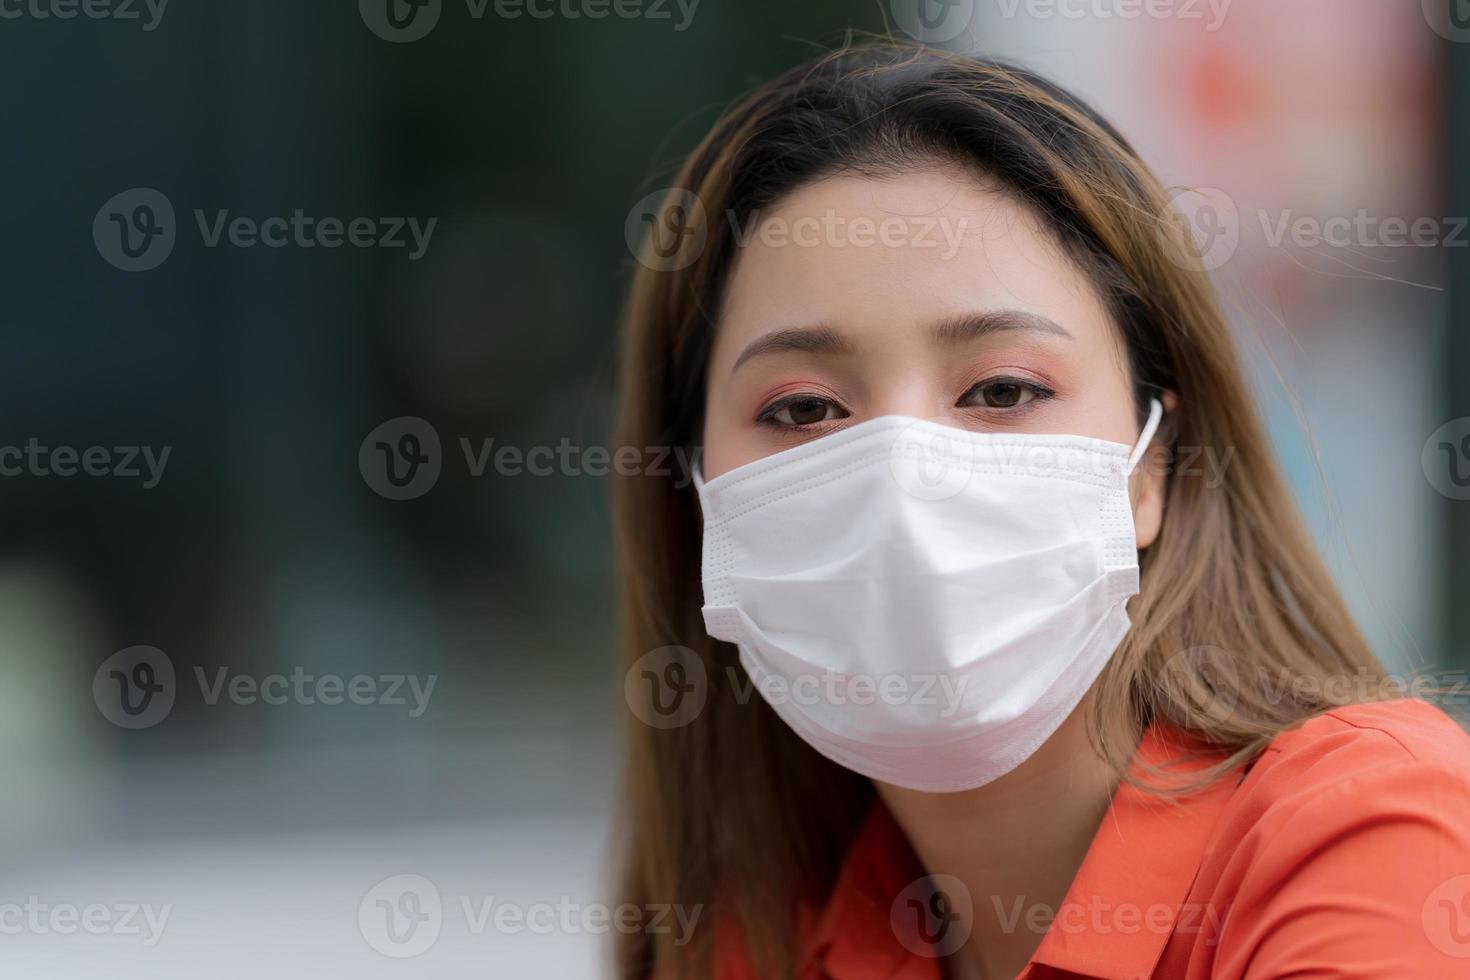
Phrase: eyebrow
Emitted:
{"points": [[971, 326], [822, 339], [819, 339]]}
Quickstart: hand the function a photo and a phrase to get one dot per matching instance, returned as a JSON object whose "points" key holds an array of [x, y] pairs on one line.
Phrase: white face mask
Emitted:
{"points": [[923, 604]]}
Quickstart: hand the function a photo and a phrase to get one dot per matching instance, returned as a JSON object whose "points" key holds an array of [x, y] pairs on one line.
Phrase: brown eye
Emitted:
{"points": [[1002, 393], [807, 411]]}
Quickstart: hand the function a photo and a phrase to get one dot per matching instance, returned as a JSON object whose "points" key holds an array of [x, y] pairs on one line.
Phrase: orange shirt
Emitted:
{"points": [[1343, 851]]}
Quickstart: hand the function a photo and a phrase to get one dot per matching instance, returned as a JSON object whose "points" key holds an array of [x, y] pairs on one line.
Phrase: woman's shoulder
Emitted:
{"points": [[1356, 760], [1347, 742], [1354, 824], [1379, 781], [1387, 771]]}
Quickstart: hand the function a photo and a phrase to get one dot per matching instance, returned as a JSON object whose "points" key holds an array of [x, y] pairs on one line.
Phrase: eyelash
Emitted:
{"points": [[767, 415], [1037, 390]]}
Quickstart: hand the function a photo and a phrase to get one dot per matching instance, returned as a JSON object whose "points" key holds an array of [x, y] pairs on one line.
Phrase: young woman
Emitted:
{"points": [[961, 396]]}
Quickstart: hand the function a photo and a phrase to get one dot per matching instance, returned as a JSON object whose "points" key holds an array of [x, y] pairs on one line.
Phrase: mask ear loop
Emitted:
{"points": [[1155, 414]]}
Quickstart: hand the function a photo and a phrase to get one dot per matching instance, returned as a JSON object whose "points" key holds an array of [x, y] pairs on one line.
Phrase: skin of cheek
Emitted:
{"points": [[728, 439]]}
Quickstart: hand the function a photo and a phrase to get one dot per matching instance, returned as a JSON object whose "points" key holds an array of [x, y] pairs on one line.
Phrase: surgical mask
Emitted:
{"points": [[923, 604]]}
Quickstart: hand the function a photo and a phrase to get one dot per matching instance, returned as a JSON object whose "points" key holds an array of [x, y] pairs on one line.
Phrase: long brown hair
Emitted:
{"points": [[732, 813]]}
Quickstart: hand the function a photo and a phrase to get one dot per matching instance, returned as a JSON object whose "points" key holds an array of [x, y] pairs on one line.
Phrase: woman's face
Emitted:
{"points": [[930, 295]]}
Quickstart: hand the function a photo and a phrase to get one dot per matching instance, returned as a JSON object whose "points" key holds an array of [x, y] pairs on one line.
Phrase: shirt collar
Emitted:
{"points": [[1126, 899], [1118, 914]]}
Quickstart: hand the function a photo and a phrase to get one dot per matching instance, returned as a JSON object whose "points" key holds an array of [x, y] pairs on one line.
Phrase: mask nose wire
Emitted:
{"points": [[1155, 414]]}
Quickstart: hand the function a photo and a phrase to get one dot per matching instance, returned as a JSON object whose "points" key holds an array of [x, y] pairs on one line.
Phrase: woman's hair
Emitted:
{"points": [[732, 813]]}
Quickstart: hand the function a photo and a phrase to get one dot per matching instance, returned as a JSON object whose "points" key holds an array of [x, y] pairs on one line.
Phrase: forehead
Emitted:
{"points": [[880, 257]]}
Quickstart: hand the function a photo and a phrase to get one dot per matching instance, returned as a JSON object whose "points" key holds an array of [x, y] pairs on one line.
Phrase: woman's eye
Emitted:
{"points": [[801, 411], [1003, 393]]}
